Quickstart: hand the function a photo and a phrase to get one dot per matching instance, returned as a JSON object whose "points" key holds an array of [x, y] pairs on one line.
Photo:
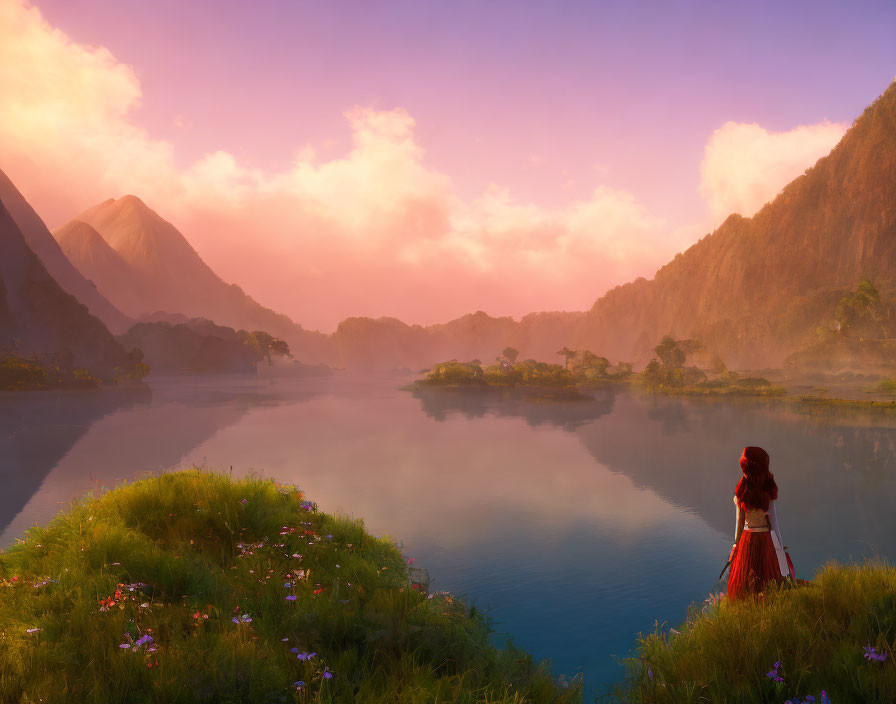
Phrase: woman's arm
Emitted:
{"points": [[773, 520], [739, 518]]}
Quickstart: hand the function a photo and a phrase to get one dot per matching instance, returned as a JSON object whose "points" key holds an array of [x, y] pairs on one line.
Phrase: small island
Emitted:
{"points": [[583, 370], [531, 378]]}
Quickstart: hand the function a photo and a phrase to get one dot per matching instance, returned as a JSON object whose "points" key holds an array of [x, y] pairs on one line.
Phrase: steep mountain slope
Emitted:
{"points": [[753, 291], [44, 246], [170, 274], [95, 259], [757, 287], [38, 318]]}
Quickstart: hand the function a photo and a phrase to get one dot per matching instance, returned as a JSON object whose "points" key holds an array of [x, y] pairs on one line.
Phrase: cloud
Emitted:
{"points": [[746, 165], [376, 231]]}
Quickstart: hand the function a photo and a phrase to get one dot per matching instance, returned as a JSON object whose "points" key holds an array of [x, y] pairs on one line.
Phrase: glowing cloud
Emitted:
{"points": [[376, 231], [746, 165]]}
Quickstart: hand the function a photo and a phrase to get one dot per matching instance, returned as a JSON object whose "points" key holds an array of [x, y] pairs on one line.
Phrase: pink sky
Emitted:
{"points": [[427, 160]]}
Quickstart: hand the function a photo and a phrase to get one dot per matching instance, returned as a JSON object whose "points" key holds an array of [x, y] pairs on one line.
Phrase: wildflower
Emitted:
{"points": [[872, 654], [116, 564], [285, 639], [15, 579], [290, 597], [305, 656], [294, 650], [298, 684], [287, 585], [410, 560], [319, 591], [825, 699], [243, 618], [125, 646], [243, 502], [327, 674], [31, 630], [773, 673], [142, 640]]}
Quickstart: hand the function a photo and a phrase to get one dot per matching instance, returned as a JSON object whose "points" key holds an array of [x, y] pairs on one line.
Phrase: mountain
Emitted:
{"points": [[38, 318], [757, 287], [145, 265], [753, 291], [99, 262], [60, 268]]}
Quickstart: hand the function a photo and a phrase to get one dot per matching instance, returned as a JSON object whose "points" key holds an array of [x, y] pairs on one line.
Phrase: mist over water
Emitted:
{"points": [[576, 524]]}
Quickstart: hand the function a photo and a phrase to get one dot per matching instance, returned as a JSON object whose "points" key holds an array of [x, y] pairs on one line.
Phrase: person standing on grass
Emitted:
{"points": [[758, 556]]}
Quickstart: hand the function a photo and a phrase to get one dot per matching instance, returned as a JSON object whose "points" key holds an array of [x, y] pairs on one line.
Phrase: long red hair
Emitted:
{"points": [[756, 487]]}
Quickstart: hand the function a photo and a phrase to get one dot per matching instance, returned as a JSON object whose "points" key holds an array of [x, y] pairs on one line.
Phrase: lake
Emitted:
{"points": [[576, 524]]}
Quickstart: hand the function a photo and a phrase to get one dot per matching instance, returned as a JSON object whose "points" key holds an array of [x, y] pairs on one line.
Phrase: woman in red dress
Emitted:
{"points": [[758, 555]]}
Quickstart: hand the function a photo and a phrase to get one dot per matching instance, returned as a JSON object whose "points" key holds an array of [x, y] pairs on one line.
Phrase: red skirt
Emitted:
{"points": [[755, 565]]}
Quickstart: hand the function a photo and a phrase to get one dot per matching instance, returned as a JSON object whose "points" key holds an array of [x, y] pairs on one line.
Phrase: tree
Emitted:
{"points": [[567, 354], [862, 312], [669, 353], [511, 354], [653, 374]]}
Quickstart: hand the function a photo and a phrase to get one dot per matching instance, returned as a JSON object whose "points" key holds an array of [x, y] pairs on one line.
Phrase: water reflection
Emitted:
{"points": [[579, 524], [442, 403], [57, 446], [835, 473], [38, 429]]}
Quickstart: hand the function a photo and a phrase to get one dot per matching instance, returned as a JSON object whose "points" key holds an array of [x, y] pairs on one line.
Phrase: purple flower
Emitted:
{"points": [[125, 646], [305, 656], [293, 650], [31, 630], [290, 597], [143, 639], [825, 699], [242, 618], [327, 674], [872, 654], [298, 684], [773, 673], [287, 585], [243, 501]]}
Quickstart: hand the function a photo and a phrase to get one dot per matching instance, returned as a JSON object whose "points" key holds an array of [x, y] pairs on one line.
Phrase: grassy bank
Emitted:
{"points": [[820, 635], [21, 374], [191, 587]]}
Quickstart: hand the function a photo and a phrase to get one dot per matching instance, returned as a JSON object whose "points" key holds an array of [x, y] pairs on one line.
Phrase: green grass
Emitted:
{"points": [[818, 633], [177, 557]]}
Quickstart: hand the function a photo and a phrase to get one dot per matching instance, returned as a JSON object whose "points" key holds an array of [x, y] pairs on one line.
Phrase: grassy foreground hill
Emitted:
{"points": [[192, 587], [836, 635]]}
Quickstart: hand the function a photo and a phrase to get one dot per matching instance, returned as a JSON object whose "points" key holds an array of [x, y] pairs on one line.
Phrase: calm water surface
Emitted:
{"points": [[576, 525]]}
